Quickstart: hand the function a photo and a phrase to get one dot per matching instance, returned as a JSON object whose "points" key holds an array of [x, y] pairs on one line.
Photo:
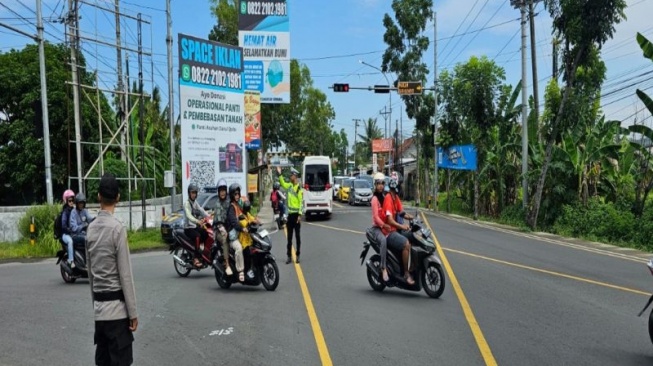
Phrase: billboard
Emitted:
{"points": [[382, 145], [211, 103], [264, 35], [458, 157], [253, 120]]}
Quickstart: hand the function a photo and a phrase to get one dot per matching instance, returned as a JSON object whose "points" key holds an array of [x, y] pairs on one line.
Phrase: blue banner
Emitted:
{"points": [[458, 157]]}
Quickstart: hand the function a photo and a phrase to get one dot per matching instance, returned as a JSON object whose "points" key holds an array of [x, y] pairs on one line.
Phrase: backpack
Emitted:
{"points": [[58, 227]]}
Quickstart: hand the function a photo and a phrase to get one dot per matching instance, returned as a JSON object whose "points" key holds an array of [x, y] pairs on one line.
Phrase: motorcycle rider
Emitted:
{"points": [[66, 237], [220, 223], [80, 218], [195, 226], [278, 198], [379, 227], [243, 237], [393, 209], [234, 228]]}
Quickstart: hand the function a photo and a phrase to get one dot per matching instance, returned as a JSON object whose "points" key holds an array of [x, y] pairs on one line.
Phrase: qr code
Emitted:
{"points": [[202, 173]]}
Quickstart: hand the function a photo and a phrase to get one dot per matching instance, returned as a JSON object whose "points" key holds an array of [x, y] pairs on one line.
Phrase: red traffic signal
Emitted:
{"points": [[341, 88]]}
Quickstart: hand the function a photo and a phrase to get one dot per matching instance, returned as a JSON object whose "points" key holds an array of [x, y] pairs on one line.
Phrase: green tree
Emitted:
{"points": [[370, 133], [226, 30], [22, 161], [581, 26], [406, 41]]}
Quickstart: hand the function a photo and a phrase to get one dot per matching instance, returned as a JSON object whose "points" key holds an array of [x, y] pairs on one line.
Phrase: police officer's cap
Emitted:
{"points": [[294, 171]]}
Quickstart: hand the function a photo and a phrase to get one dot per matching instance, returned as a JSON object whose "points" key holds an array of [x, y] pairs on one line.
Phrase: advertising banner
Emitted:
{"points": [[382, 145], [253, 120], [458, 157], [211, 103], [264, 35], [252, 183]]}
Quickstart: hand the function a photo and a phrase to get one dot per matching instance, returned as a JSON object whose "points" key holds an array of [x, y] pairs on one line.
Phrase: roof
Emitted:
{"points": [[406, 145]]}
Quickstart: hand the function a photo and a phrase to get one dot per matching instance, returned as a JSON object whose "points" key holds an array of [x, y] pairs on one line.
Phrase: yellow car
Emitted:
{"points": [[343, 192]]}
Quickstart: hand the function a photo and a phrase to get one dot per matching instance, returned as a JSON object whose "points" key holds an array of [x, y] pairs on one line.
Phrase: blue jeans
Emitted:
{"points": [[69, 243]]}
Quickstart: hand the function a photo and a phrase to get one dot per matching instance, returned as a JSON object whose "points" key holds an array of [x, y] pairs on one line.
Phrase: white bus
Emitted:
{"points": [[318, 192]]}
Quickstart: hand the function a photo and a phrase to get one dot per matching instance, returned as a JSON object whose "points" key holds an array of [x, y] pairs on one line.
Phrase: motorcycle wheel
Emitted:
{"points": [[433, 280], [371, 278], [650, 325], [269, 275], [184, 255], [70, 279], [221, 279]]}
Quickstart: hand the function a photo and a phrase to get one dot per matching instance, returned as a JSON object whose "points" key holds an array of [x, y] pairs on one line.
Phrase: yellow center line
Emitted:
{"points": [[553, 273], [322, 348], [483, 346]]}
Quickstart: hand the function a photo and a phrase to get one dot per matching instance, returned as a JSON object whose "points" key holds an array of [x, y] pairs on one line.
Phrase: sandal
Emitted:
{"points": [[228, 270], [241, 277], [197, 263], [409, 279], [386, 278]]}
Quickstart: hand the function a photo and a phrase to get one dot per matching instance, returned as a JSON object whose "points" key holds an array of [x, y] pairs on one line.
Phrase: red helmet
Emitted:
{"points": [[68, 193]]}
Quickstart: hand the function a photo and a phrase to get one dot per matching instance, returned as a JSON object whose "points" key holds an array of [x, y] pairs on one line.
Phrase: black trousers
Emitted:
{"points": [[113, 341], [293, 225]]}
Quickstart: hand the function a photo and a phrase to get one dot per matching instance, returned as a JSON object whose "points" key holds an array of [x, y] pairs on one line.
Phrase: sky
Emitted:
{"points": [[332, 37]]}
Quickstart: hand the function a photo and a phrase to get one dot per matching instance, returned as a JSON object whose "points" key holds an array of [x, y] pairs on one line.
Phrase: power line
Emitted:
{"points": [[468, 26], [459, 25]]}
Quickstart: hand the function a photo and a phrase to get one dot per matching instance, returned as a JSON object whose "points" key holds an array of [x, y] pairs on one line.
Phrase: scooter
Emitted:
{"points": [[70, 275], [280, 216], [425, 266], [649, 264], [183, 250], [260, 265]]}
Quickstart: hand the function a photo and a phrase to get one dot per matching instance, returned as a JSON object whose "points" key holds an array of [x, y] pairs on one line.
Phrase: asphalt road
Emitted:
{"points": [[513, 299]]}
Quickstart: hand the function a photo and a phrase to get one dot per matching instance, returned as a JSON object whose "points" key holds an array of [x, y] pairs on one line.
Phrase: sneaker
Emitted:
{"points": [[71, 264], [289, 260], [297, 260]]}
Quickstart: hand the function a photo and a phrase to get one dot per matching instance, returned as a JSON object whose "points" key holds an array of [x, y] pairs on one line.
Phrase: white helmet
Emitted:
{"points": [[379, 176]]}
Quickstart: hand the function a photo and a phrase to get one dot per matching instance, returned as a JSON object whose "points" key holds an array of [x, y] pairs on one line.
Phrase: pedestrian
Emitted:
{"points": [[112, 283], [294, 208]]}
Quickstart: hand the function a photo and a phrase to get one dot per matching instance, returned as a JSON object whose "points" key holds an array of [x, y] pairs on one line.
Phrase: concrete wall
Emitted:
{"points": [[9, 216]]}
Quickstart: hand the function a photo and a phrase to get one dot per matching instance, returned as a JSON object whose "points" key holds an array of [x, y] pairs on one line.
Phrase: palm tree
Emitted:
{"points": [[371, 132]]}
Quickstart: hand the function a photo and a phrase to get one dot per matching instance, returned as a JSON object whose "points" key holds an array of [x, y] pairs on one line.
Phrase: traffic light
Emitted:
{"points": [[341, 88]]}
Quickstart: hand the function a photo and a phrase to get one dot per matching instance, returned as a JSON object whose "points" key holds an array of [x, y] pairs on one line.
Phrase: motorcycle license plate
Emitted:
{"points": [[263, 233], [164, 230]]}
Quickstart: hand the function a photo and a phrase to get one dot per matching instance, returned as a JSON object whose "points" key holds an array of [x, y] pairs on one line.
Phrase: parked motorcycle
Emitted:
{"points": [[648, 303], [425, 265], [260, 265], [70, 275], [183, 250]]}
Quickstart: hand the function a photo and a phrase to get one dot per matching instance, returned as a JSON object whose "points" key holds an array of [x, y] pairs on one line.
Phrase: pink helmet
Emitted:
{"points": [[68, 193]]}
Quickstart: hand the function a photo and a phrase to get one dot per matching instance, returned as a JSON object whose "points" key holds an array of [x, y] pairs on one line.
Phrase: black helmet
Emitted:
{"points": [[192, 188], [233, 188], [222, 184], [276, 185], [80, 198], [247, 206]]}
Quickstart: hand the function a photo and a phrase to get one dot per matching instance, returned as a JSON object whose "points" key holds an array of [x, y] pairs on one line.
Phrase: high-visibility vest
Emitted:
{"points": [[295, 195]]}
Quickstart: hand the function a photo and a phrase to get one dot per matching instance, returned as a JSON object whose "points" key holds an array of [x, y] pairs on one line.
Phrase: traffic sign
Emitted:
{"points": [[409, 88]]}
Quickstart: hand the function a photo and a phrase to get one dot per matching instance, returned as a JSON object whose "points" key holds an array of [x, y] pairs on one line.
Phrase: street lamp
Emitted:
{"points": [[389, 86]]}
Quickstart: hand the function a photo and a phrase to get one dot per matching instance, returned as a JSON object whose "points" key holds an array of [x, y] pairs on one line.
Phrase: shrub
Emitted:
{"points": [[597, 221], [44, 227], [513, 215]]}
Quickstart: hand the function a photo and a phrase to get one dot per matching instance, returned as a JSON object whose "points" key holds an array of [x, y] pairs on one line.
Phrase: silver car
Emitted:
{"points": [[360, 192]]}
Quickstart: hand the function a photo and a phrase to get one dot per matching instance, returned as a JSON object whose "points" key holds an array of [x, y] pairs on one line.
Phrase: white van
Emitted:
{"points": [[318, 193]]}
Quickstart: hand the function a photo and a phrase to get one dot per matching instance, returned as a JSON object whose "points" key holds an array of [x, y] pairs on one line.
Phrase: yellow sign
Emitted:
{"points": [[409, 88], [252, 183]]}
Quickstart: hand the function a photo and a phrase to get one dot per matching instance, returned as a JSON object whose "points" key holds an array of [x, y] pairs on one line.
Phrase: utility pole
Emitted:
{"points": [[385, 114], [44, 104], [555, 43], [435, 110], [123, 150], [141, 116], [171, 103], [536, 93], [73, 26], [356, 120], [524, 139]]}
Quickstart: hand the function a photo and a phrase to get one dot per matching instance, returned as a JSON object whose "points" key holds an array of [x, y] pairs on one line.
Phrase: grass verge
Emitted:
{"points": [[138, 241]]}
